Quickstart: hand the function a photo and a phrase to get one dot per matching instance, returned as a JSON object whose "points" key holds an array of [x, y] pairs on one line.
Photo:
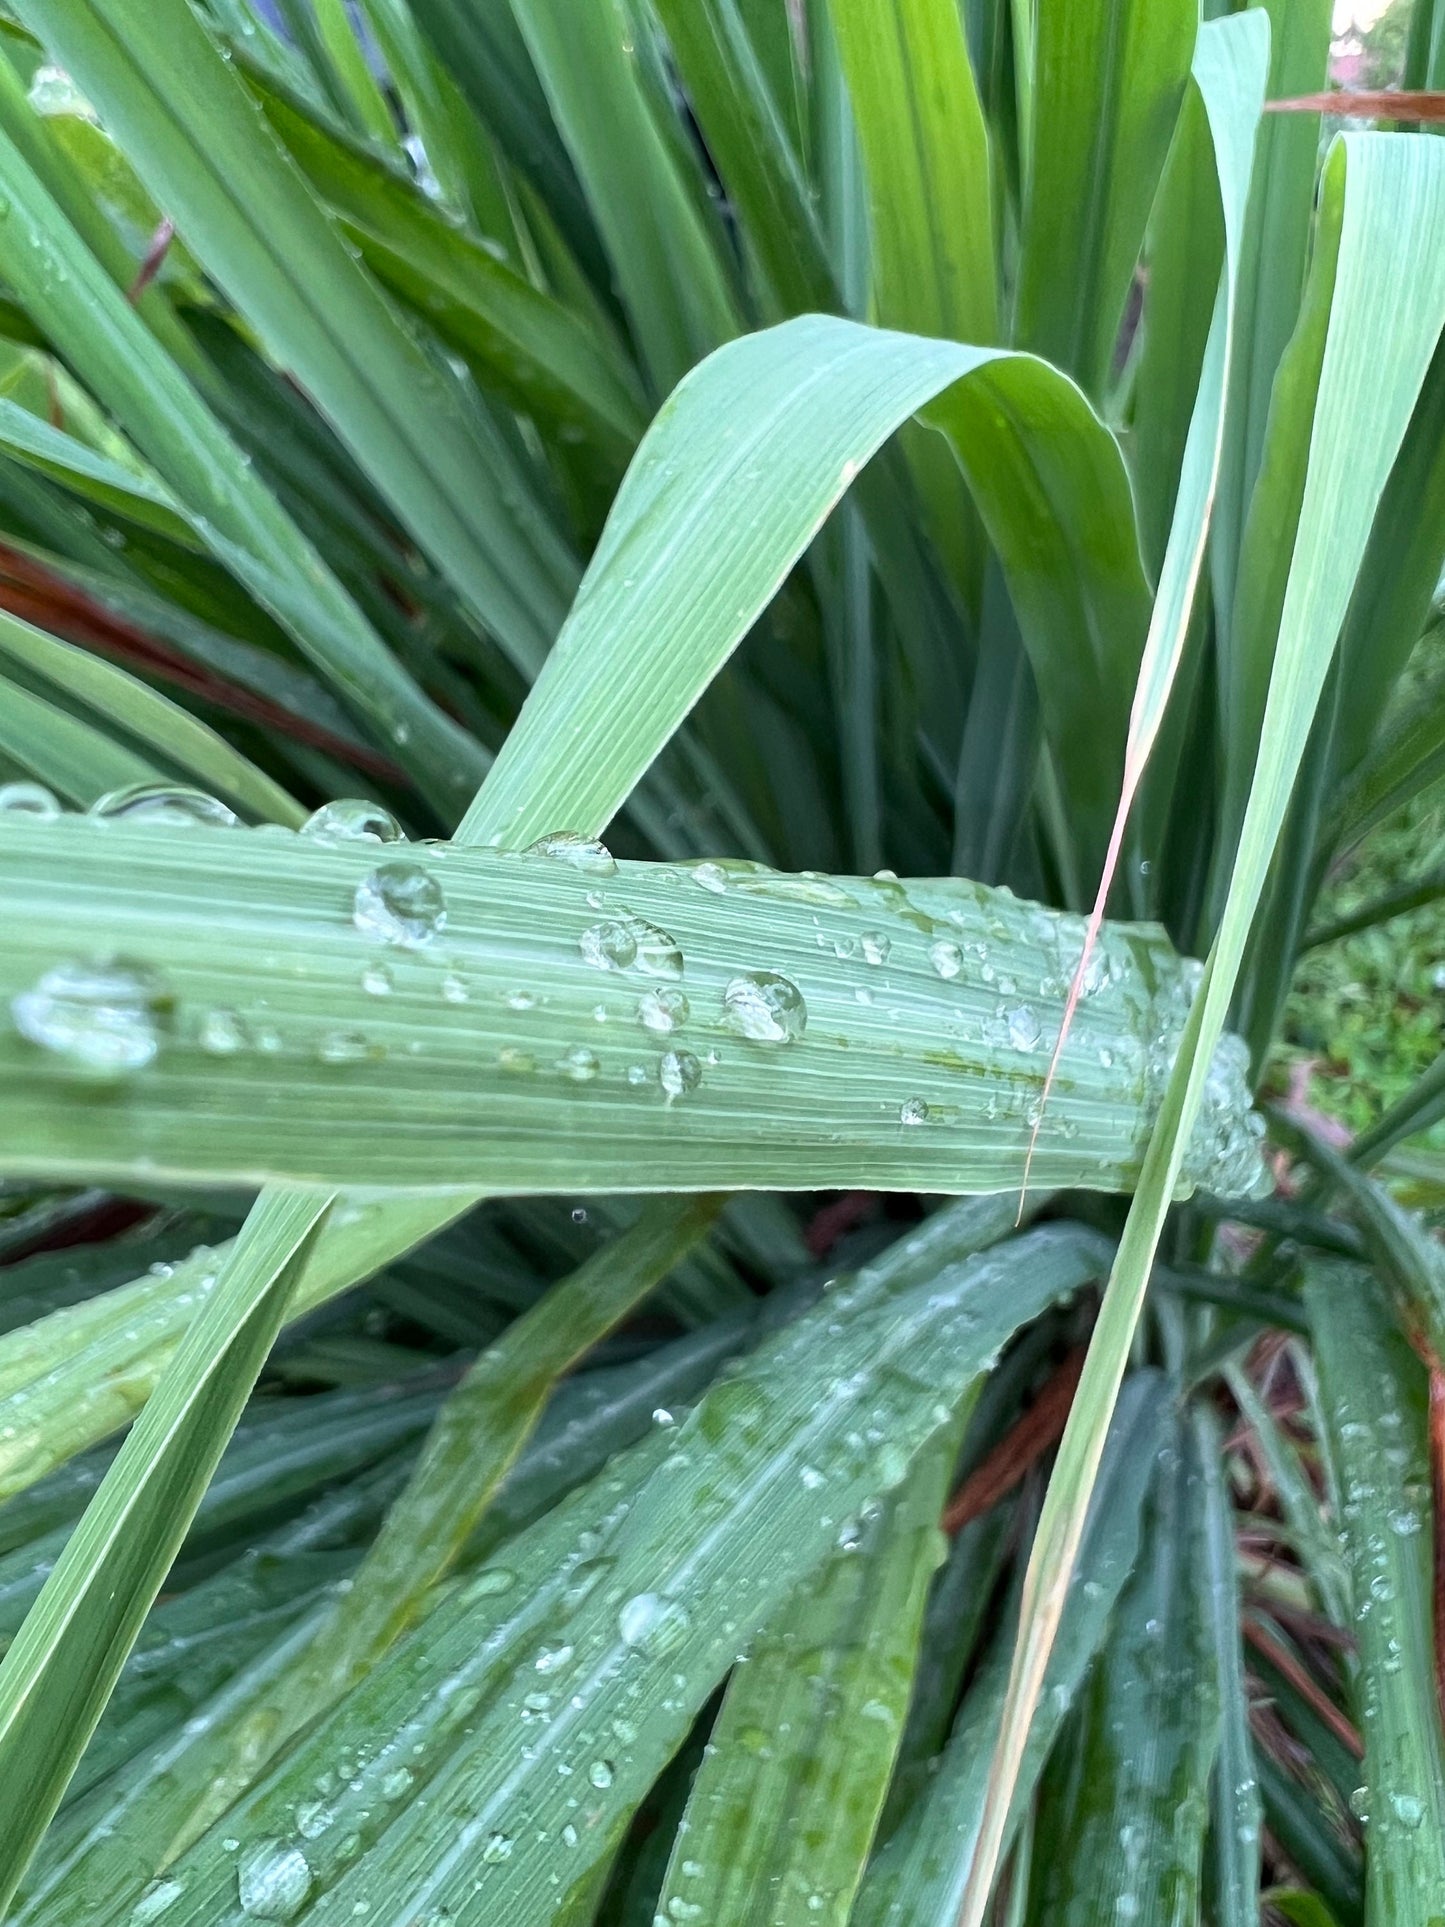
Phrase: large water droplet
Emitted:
{"points": [[661, 1011], [400, 903], [656, 953], [709, 876], [29, 799], [274, 1880], [765, 1007], [679, 1072], [168, 805], [352, 819], [102, 1016], [608, 946], [582, 853]]}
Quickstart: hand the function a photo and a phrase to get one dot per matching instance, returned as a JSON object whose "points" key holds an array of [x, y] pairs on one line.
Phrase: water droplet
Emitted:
{"points": [[1023, 1028], [946, 958], [517, 1062], [552, 1659], [454, 990], [397, 1783], [168, 805], [709, 876], [377, 980], [313, 1817], [662, 1011], [490, 1581], [497, 1849], [657, 953], [102, 1016], [1404, 1524], [875, 946], [399, 903], [652, 1624], [29, 799], [157, 1899], [520, 999], [343, 1047], [679, 1072], [582, 853], [913, 1110], [1408, 1809], [352, 819], [600, 1773], [222, 1032], [579, 1064], [765, 1007], [274, 1880], [608, 946], [1360, 1804], [569, 1835]]}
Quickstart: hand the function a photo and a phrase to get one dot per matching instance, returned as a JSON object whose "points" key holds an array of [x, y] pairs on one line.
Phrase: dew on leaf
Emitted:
{"points": [[765, 1007], [102, 1016], [353, 819], [399, 903]]}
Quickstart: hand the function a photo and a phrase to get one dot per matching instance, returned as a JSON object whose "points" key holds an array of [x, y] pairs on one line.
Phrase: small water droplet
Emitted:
{"points": [[661, 1011], [709, 876], [652, 1624], [157, 1900], [552, 1659], [399, 903], [29, 799], [946, 958], [1023, 1028], [579, 1064], [103, 1017], [600, 1773], [343, 1047], [377, 980], [1360, 1804], [352, 819], [765, 1007], [582, 853], [516, 1062], [454, 989], [497, 1849], [913, 1110], [875, 947], [638, 1075], [608, 946], [520, 999], [274, 1880], [1408, 1809], [397, 1782], [167, 805], [679, 1072], [222, 1032]]}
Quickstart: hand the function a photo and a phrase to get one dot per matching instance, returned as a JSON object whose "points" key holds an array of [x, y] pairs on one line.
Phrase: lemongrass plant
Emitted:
{"points": [[676, 677]]}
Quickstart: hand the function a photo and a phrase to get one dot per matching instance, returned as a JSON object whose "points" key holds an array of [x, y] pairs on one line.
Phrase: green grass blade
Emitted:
{"points": [[68, 755], [102, 338], [734, 1049], [57, 1675], [144, 714], [74, 1377], [474, 1442], [1108, 78], [1377, 348], [743, 122], [1272, 270], [665, 257], [542, 356], [1375, 1395], [722, 1530], [1417, 1110], [1235, 1829], [736, 476], [783, 1809], [1125, 1799], [918, 1877], [925, 148], [184, 120]]}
